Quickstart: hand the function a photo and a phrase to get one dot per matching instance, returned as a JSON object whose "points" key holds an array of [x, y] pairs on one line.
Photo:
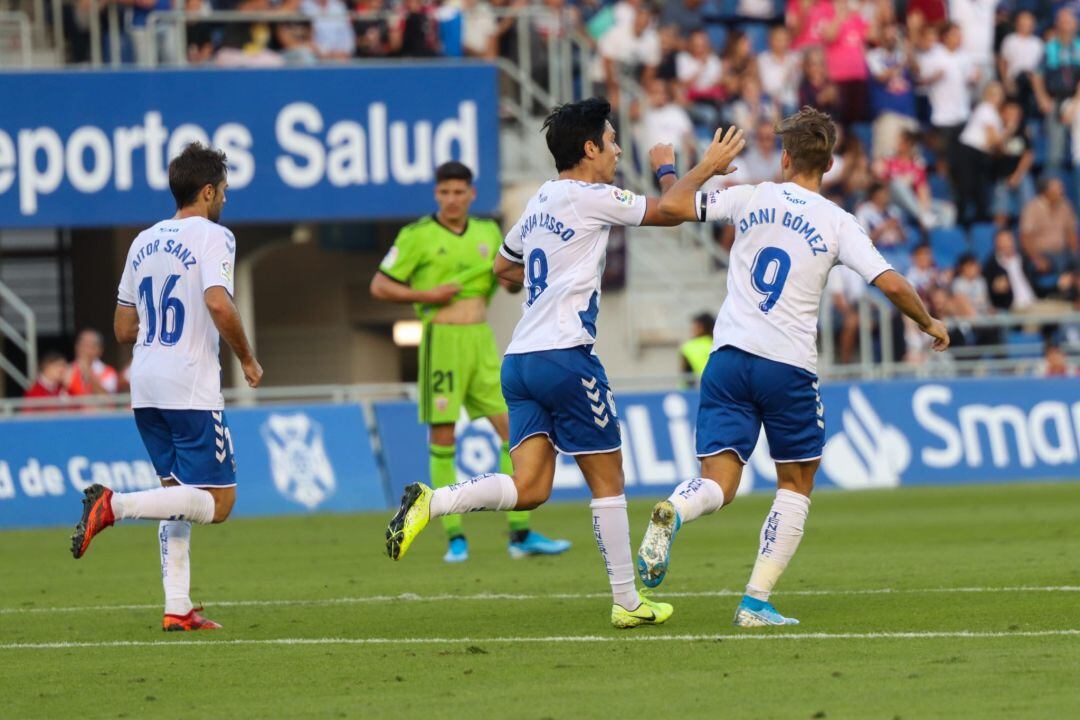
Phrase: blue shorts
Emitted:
{"points": [[563, 394], [193, 447], [740, 391]]}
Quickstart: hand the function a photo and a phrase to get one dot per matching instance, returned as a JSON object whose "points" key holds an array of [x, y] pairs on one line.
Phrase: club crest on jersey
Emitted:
{"points": [[623, 197], [298, 461], [442, 403], [483, 249], [226, 271]]}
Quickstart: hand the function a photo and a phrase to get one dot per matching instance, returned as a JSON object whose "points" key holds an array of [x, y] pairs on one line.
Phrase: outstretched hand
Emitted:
{"points": [[723, 149], [937, 330]]}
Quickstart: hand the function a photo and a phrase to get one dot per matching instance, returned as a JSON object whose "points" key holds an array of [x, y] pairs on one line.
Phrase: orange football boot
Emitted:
{"points": [[97, 515], [192, 621]]}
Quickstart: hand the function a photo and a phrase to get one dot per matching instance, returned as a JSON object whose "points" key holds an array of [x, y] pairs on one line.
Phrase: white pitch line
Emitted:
{"points": [[931, 635], [495, 597]]}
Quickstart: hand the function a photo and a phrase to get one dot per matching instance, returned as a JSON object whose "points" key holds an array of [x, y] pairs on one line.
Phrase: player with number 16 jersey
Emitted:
{"points": [[174, 303]]}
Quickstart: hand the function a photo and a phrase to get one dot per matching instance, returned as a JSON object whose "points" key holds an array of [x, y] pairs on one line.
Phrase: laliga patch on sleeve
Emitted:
{"points": [[623, 197], [226, 271], [391, 258]]}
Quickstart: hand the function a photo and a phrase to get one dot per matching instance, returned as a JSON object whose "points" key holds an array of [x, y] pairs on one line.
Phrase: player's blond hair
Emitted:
{"points": [[809, 137]]}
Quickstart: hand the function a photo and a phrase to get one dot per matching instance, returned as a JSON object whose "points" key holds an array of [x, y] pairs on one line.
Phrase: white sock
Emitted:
{"points": [[780, 536], [612, 530], [493, 491], [175, 539], [176, 502], [697, 497]]}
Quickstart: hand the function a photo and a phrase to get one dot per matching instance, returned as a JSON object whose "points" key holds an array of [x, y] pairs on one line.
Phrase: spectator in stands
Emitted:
{"points": [[1054, 363], [892, 92], [981, 139], [844, 35], [1057, 82], [949, 75], [1070, 115], [295, 43], [332, 30], [1020, 58], [751, 108], [779, 70], [372, 30], [670, 46], [694, 353], [816, 89], [970, 300], [1009, 276], [975, 18], [852, 172], [1014, 186], [1048, 236], [806, 20], [684, 14], [880, 218], [634, 45], [738, 63], [480, 30], [926, 13], [905, 174], [700, 73], [89, 375], [846, 289], [50, 382], [924, 274], [663, 120], [758, 163], [415, 33], [248, 46]]}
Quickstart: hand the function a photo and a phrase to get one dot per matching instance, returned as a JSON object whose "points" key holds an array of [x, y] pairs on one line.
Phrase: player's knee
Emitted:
{"points": [[223, 508], [531, 494]]}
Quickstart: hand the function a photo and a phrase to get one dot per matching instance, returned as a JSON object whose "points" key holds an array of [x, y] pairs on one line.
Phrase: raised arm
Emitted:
{"points": [[659, 156], [678, 202], [903, 296], [227, 320]]}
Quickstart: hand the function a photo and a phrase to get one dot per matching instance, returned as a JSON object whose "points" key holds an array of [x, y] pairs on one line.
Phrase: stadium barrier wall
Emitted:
{"points": [[297, 459], [878, 435], [82, 149], [290, 460]]}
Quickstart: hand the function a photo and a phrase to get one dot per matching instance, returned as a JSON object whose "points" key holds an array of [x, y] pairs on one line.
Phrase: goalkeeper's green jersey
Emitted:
{"points": [[427, 254]]}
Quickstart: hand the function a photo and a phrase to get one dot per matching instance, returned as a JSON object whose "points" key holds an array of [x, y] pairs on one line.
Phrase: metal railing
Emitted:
{"points": [[26, 341], [877, 350]]}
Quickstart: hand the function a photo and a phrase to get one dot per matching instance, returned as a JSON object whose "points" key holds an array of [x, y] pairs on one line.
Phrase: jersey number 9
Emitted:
{"points": [[172, 311], [537, 270], [769, 273]]}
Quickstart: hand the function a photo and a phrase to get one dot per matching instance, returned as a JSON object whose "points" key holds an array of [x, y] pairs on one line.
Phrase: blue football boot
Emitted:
{"points": [[458, 550], [536, 544], [759, 613]]}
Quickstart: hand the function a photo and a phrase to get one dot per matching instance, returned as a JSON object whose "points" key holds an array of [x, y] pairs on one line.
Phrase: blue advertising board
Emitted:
{"points": [[879, 434], [290, 460], [81, 149]]}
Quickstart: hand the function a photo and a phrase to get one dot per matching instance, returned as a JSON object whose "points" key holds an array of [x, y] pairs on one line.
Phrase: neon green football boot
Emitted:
{"points": [[649, 612], [411, 518]]}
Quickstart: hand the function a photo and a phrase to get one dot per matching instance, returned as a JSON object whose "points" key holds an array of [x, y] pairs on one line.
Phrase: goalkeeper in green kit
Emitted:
{"points": [[442, 264]]}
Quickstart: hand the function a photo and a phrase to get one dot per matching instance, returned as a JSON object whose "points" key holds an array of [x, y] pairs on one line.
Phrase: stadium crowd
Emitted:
{"points": [[960, 119]]}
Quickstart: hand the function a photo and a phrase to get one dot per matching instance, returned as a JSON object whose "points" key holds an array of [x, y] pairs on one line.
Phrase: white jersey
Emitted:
{"points": [[787, 239], [168, 268], [561, 239]]}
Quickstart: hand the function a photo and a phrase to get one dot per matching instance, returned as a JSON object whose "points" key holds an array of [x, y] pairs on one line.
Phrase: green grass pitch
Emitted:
{"points": [[915, 603]]}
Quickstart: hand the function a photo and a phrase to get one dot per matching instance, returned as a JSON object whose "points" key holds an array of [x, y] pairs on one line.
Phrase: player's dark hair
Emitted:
{"points": [[192, 170], [809, 137], [707, 321], [572, 125], [453, 170]]}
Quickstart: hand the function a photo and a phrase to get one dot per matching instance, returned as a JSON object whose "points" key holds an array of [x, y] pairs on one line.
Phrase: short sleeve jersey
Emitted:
{"points": [[427, 254], [168, 269], [787, 239], [562, 239]]}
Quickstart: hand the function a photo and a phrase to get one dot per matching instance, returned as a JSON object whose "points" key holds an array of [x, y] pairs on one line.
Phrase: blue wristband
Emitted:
{"points": [[665, 170]]}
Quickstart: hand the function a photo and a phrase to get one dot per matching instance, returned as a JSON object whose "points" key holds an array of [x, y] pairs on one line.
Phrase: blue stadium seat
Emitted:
{"points": [[898, 257], [865, 133], [939, 186], [982, 240], [759, 36], [948, 244], [1017, 340], [717, 36]]}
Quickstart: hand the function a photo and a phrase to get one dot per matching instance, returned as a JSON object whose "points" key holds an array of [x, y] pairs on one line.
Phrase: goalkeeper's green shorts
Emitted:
{"points": [[459, 367]]}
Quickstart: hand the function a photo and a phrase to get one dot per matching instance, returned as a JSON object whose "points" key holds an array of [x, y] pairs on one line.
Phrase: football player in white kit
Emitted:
{"points": [[555, 387], [763, 366], [174, 301]]}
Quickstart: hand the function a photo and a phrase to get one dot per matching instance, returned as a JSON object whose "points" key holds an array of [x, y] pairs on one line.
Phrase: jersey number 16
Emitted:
{"points": [[171, 321]]}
